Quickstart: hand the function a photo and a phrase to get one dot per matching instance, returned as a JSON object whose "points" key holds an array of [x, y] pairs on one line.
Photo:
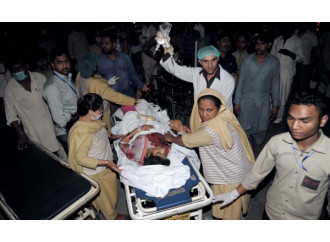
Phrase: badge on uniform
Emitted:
{"points": [[310, 183]]}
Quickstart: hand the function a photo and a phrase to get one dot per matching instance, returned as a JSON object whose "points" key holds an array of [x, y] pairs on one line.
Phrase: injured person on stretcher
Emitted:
{"points": [[147, 149], [147, 161]]}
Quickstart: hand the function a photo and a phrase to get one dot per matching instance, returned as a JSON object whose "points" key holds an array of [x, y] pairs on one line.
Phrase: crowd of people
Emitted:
{"points": [[60, 92]]}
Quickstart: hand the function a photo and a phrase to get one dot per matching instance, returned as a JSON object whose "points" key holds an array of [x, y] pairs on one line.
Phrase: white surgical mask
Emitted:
{"points": [[98, 116]]}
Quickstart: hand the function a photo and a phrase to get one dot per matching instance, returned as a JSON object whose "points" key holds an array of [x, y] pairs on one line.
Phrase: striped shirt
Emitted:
{"points": [[224, 167]]}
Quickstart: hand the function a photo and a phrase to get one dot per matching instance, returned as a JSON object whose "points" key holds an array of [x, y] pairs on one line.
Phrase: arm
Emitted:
{"points": [[262, 167], [83, 159], [275, 90], [53, 97], [182, 72], [191, 140], [100, 86], [13, 120], [133, 75], [240, 86], [131, 134], [23, 139]]}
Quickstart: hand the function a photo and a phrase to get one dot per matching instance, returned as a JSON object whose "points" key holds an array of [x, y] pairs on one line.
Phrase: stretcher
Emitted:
{"points": [[181, 202], [35, 185]]}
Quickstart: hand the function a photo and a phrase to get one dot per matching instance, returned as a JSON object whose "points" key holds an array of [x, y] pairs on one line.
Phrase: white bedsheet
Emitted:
{"points": [[155, 180]]}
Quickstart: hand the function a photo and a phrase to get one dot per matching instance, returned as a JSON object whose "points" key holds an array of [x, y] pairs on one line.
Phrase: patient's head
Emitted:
{"points": [[157, 151], [156, 156], [156, 160]]}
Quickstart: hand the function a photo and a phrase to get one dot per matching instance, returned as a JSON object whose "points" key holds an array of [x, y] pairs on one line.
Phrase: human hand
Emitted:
{"points": [[145, 88], [115, 137], [273, 113], [237, 108], [112, 80], [23, 141], [176, 125], [227, 198], [112, 166]]}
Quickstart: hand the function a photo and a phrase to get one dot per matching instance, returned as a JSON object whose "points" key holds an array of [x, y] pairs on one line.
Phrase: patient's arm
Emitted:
{"points": [[131, 134]]}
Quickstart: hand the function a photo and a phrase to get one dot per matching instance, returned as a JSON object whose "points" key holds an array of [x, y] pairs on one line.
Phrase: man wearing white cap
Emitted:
{"points": [[210, 75]]}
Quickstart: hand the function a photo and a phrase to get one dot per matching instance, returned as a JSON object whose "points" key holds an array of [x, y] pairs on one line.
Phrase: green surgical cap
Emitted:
{"points": [[207, 51], [87, 65]]}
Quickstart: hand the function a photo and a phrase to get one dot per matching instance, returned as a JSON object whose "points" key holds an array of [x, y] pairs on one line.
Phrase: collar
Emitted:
{"points": [[319, 146], [217, 74], [67, 78]]}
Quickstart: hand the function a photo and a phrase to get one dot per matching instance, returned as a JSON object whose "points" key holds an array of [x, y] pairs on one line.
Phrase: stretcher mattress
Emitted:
{"points": [[35, 186]]}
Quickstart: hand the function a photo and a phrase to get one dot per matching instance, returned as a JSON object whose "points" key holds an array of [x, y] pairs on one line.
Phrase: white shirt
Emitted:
{"points": [[293, 44], [225, 86], [309, 40]]}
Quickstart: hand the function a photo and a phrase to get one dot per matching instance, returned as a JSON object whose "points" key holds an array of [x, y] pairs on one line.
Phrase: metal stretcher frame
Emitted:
{"points": [[76, 206], [194, 207]]}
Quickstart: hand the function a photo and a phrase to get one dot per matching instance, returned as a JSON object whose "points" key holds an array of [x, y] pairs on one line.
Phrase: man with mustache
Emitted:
{"points": [[227, 60], [257, 96], [60, 93]]}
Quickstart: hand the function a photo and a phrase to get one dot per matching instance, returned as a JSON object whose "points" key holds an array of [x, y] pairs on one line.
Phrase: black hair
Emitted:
{"points": [[110, 34], [156, 160], [216, 100], [309, 98], [90, 101], [58, 51], [223, 34], [242, 33], [263, 37], [20, 57]]}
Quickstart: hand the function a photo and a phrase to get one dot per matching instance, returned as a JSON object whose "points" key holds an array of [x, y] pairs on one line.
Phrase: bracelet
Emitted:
{"points": [[129, 135], [106, 163], [139, 129]]}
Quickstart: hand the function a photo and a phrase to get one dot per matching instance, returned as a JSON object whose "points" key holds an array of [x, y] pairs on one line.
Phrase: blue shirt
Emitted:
{"points": [[123, 68]]}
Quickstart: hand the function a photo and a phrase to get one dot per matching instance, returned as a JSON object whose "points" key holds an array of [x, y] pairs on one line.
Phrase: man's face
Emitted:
{"points": [[304, 122], [224, 44], [15, 68], [61, 64], [209, 64], [241, 43], [207, 109], [42, 63], [261, 47], [107, 46]]}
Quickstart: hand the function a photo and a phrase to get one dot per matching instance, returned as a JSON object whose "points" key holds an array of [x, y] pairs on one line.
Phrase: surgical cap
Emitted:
{"points": [[207, 51], [87, 65]]}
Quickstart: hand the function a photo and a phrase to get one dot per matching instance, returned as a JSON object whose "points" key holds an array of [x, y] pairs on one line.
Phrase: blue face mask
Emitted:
{"points": [[20, 76]]}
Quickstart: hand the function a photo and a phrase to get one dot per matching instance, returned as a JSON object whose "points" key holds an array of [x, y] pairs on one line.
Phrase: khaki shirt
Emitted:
{"points": [[295, 193], [30, 109]]}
